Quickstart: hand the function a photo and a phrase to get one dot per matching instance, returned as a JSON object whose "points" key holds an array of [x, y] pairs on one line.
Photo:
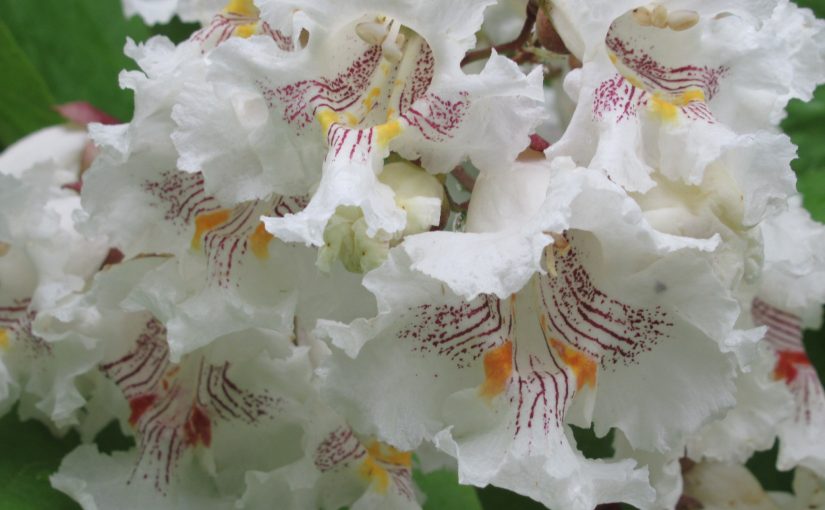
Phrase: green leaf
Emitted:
{"points": [[444, 492], [30, 454], [25, 100], [763, 467], [812, 186], [77, 46], [176, 30], [805, 125], [591, 445], [494, 498], [818, 6]]}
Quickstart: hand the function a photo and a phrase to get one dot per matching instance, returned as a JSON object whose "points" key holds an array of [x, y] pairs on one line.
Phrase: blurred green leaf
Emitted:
{"points": [[25, 100], [493, 498], [818, 6], [444, 493], [812, 186], [763, 467], [805, 125], [30, 454], [77, 46], [591, 445], [176, 30]]}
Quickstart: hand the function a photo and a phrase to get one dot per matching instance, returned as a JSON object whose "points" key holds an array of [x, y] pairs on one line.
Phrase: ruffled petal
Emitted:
{"points": [[497, 395]]}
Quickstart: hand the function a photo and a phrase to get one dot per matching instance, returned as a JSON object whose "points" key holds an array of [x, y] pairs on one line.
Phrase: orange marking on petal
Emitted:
{"points": [[259, 241], [139, 405], [498, 367], [378, 454], [583, 366], [372, 471], [4, 339], [787, 363], [389, 455], [206, 222]]}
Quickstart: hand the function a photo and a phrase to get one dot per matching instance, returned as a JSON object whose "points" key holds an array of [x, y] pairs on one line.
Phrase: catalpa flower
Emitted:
{"points": [[771, 398], [790, 299], [715, 485], [719, 485], [763, 403], [677, 90], [220, 424], [338, 469], [227, 273], [512, 357], [199, 424], [43, 260], [370, 79], [808, 492]]}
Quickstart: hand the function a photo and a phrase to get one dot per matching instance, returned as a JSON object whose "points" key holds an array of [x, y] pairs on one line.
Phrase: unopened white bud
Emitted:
{"points": [[682, 19]]}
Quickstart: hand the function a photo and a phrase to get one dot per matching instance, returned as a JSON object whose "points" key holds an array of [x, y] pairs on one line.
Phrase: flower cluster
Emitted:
{"points": [[340, 241]]}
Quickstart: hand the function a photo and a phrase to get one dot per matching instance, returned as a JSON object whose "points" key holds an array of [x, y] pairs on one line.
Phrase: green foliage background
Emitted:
{"points": [[56, 51]]}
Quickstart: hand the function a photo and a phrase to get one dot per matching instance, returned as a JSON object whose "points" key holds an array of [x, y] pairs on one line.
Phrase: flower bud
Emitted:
{"points": [[548, 36]]}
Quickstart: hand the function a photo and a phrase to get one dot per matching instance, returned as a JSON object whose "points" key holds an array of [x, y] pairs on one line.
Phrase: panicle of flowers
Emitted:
{"points": [[339, 242]]}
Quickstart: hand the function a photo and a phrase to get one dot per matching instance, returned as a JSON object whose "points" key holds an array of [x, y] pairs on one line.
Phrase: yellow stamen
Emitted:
{"points": [[4, 339]]}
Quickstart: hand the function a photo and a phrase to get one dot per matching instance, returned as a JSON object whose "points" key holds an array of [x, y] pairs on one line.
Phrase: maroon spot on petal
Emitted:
{"points": [[139, 405], [198, 428], [114, 256]]}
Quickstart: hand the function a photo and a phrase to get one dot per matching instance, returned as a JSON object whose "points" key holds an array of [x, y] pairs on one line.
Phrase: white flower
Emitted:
{"points": [[762, 404], [43, 260], [372, 78], [224, 422], [780, 393], [676, 101], [419, 194], [809, 491], [227, 273], [800, 434], [794, 274], [199, 424], [754, 57], [509, 357], [716, 485], [338, 469]]}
